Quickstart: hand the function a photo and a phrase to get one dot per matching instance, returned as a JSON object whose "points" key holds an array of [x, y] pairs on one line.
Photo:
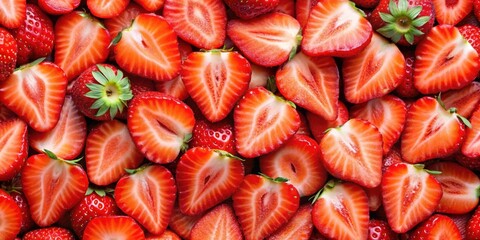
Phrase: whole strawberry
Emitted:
{"points": [[404, 22], [380, 230], [217, 135], [247, 9], [21, 200], [34, 37], [8, 54], [472, 34], [476, 9], [49, 233], [473, 225]]}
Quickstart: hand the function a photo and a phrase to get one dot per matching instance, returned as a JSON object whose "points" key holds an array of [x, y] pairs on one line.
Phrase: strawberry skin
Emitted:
{"points": [[248, 9], [14, 147], [218, 223], [318, 124], [124, 19], [379, 230], [8, 54], [437, 226], [217, 135], [113, 227], [21, 201], [49, 233], [11, 216]]}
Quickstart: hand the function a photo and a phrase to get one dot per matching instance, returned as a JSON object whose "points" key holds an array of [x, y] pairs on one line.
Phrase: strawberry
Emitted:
{"points": [[476, 9], [461, 222], [12, 13], [263, 205], [460, 187], [350, 152], [21, 201], [379, 230], [392, 157], [473, 225], [149, 48], [8, 54], [303, 9], [249, 9], [109, 150], [340, 211], [216, 80], [335, 28], [182, 224], [311, 83], [366, 3], [151, 5], [472, 163], [160, 125], [268, 40], [205, 178], [49, 233], [472, 34], [58, 7], [67, 138], [318, 124], [451, 13], [406, 88], [107, 9], [201, 24], [263, 122], [465, 100], [113, 227], [14, 147], [124, 19], [437, 226], [218, 223], [387, 113], [441, 58], [431, 131], [11, 216], [35, 92], [374, 72], [286, 6], [147, 195], [52, 186], [95, 203], [470, 147], [299, 161], [167, 235], [260, 76], [299, 227], [34, 37], [217, 135], [5, 113], [404, 22], [410, 195]]}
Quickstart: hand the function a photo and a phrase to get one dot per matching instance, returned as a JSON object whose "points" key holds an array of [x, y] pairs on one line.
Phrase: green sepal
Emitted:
{"points": [[116, 39], [464, 121], [139, 169], [271, 84], [224, 153], [277, 179], [329, 185], [433, 172], [53, 156]]}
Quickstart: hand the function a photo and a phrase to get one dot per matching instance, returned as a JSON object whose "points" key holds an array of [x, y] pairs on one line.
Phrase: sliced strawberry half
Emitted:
{"points": [[11, 216], [14, 147], [35, 92], [311, 83], [200, 23], [302, 11], [160, 125], [340, 211], [58, 7], [216, 80], [149, 48], [182, 224], [124, 19], [318, 124], [80, 41], [109, 150], [336, 28], [299, 227], [13, 13], [107, 9], [148, 195], [350, 152], [471, 146], [431, 131], [67, 138], [374, 72], [451, 12], [205, 178], [410, 195], [437, 226], [263, 122], [444, 61], [52, 186], [268, 40], [218, 223], [387, 113], [465, 100], [263, 205], [151, 5], [299, 161], [113, 227]]}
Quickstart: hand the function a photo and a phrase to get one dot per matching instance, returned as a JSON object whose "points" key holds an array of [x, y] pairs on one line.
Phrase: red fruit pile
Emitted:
{"points": [[239, 119]]}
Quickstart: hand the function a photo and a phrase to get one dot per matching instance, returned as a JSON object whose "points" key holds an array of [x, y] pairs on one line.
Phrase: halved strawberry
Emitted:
{"points": [[470, 147], [52, 186], [35, 92], [302, 10], [248, 9], [218, 223], [444, 61], [336, 28], [147, 195], [299, 227], [387, 113], [460, 187], [268, 40], [260, 75], [13, 147], [149, 48], [263, 122], [124, 19], [311, 83], [431, 131], [340, 211], [350, 152], [58, 7], [12, 13], [109, 150], [151, 5], [160, 125], [465, 100], [167, 235], [437, 226], [263, 205], [107, 9], [113, 227], [299, 161], [374, 72], [205, 178], [451, 12], [318, 124], [200, 23], [67, 138], [216, 80], [182, 224], [11, 216], [410, 195]]}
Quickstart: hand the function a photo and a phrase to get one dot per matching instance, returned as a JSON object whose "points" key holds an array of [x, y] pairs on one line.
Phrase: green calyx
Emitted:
{"points": [[53, 156], [111, 92], [402, 21]]}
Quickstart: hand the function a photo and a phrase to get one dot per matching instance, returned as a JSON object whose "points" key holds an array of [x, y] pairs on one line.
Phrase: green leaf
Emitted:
{"points": [[464, 121], [402, 6], [50, 154], [116, 39], [409, 37], [100, 77], [420, 21], [414, 11], [433, 172], [387, 17], [393, 8]]}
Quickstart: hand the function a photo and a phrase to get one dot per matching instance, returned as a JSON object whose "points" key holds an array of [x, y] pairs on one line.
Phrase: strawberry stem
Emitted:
{"points": [[53, 156], [276, 180], [228, 155], [34, 63]]}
